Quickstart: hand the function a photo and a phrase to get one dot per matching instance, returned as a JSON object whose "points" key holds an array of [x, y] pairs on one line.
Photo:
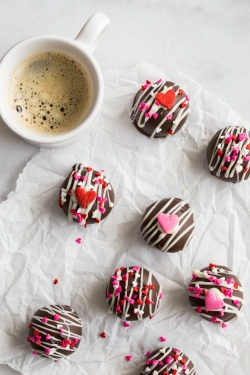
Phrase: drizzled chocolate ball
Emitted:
{"points": [[228, 154], [168, 225], [55, 331], [168, 361], [160, 109], [133, 293], [215, 293], [86, 196]]}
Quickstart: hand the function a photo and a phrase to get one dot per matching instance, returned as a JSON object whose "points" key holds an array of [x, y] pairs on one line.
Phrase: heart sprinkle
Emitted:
{"points": [[103, 335]]}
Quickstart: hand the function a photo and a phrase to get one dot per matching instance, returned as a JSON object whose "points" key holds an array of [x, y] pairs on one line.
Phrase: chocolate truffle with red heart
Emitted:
{"points": [[228, 154], [86, 196], [168, 224], [168, 361], [215, 293], [160, 109], [133, 293]]}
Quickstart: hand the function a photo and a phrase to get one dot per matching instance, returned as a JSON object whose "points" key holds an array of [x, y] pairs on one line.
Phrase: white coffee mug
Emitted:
{"points": [[80, 49]]}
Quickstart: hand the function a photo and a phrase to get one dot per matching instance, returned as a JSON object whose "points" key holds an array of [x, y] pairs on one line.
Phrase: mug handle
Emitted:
{"points": [[92, 32]]}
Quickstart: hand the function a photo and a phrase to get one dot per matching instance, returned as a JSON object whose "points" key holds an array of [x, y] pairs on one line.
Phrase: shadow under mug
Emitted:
{"points": [[80, 49]]}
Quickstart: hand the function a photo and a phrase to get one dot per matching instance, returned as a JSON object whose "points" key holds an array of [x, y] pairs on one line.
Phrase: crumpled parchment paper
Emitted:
{"points": [[37, 242]]}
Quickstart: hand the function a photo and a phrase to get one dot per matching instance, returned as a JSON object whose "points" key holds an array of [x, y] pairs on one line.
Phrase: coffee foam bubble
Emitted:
{"points": [[50, 93]]}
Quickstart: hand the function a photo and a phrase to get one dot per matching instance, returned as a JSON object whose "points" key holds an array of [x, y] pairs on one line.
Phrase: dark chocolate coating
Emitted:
{"points": [[54, 333], [226, 150], [201, 302], [95, 207], [181, 243], [143, 289], [178, 361], [162, 112]]}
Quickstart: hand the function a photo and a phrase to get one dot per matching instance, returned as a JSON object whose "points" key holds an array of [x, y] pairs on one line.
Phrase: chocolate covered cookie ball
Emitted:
{"points": [[55, 331], [168, 361], [160, 109], [228, 154], [168, 224], [133, 293], [86, 196], [215, 293]]}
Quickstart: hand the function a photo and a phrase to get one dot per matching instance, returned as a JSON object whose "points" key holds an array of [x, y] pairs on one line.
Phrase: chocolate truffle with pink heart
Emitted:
{"points": [[215, 293], [168, 224], [160, 109], [86, 196]]}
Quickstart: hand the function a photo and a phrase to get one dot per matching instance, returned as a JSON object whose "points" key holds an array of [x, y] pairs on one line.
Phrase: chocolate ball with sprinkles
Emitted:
{"points": [[228, 154], [168, 361], [215, 293], [86, 196], [160, 109], [133, 293], [168, 225], [55, 331]]}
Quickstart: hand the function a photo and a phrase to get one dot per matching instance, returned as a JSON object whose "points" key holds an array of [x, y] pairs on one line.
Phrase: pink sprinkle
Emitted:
{"points": [[197, 295], [148, 115], [246, 158], [198, 290], [57, 317], [119, 289], [218, 281], [222, 313], [234, 157], [79, 218], [102, 209], [131, 301], [126, 325], [169, 360], [104, 200], [156, 102], [76, 340], [160, 295], [162, 338], [148, 362], [160, 363], [45, 320], [84, 178], [128, 357], [115, 282], [191, 289], [34, 352], [198, 309], [159, 81], [176, 351], [169, 117], [148, 354], [155, 115], [212, 279], [230, 281], [136, 268], [118, 308], [147, 107], [126, 298], [184, 367], [99, 199], [108, 295], [224, 325], [47, 351], [236, 302], [187, 98], [194, 276], [61, 330], [28, 339], [235, 150], [213, 319], [228, 158], [76, 176], [48, 337], [143, 105], [154, 362], [79, 240]]}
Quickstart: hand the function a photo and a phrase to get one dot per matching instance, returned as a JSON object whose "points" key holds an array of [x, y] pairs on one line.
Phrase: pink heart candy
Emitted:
{"points": [[212, 302], [168, 222]]}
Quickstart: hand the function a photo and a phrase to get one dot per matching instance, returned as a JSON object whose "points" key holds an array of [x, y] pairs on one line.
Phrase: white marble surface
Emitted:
{"points": [[207, 40]]}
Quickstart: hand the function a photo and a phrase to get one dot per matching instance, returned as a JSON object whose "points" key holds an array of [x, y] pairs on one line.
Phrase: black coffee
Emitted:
{"points": [[50, 93]]}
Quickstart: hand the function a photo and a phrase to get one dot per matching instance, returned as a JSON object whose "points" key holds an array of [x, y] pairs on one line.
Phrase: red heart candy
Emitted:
{"points": [[85, 197], [103, 335], [166, 99], [248, 147]]}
